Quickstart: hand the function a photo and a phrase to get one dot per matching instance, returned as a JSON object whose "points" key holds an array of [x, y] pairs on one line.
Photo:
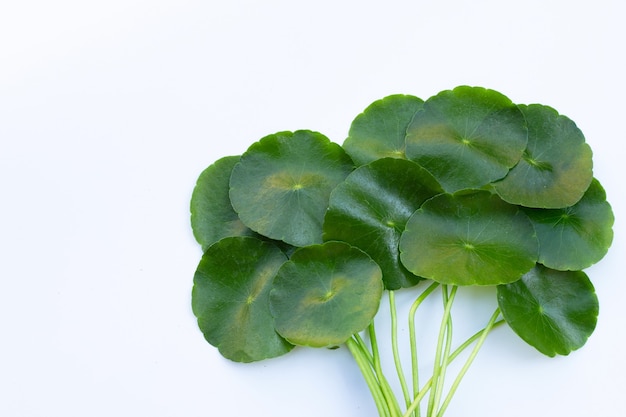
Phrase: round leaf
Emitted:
{"points": [[468, 239], [212, 216], [554, 311], [467, 137], [325, 293], [575, 237], [556, 168], [230, 298], [380, 130], [282, 185], [371, 207]]}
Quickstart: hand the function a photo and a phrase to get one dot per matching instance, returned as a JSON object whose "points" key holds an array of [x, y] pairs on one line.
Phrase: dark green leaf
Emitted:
{"points": [[371, 207], [575, 237], [467, 137], [212, 216], [556, 168], [282, 185], [325, 293], [230, 298], [554, 311], [380, 130], [468, 239]]}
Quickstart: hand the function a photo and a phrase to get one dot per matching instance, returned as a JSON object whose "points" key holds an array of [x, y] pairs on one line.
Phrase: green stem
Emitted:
{"points": [[394, 347], [471, 340], [416, 401], [413, 341], [392, 402], [444, 364], [363, 346], [418, 398], [469, 361], [364, 364], [441, 353]]}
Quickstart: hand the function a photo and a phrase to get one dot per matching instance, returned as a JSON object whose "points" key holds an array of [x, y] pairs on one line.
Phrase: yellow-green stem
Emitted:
{"points": [[413, 341], [394, 407], [394, 347], [369, 376], [438, 368]]}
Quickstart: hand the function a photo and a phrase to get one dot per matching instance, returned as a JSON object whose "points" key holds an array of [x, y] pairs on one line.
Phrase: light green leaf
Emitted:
{"points": [[556, 168], [230, 298], [325, 293], [468, 239], [467, 137], [282, 184]]}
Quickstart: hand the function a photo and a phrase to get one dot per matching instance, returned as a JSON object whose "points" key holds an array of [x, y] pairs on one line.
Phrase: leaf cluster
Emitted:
{"points": [[301, 235]]}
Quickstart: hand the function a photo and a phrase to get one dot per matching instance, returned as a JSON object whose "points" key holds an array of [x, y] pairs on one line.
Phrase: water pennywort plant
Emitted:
{"points": [[301, 236]]}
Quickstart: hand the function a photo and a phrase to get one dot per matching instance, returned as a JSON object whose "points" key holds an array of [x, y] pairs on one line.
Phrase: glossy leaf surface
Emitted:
{"points": [[467, 137], [371, 207], [325, 293], [212, 216], [554, 311], [468, 239], [575, 237], [230, 298], [282, 185], [379, 131], [556, 168]]}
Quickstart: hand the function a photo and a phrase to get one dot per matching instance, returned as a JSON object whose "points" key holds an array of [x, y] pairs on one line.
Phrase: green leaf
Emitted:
{"points": [[556, 168], [380, 130], [325, 293], [575, 237], [467, 137], [282, 184], [230, 298], [554, 311], [371, 207], [468, 239], [212, 216]]}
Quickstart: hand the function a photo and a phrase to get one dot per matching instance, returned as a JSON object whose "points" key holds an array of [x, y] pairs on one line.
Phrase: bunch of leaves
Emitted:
{"points": [[301, 236]]}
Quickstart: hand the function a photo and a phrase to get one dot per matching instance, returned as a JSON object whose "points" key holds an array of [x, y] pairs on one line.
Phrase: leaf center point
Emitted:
{"points": [[468, 246], [542, 166], [327, 296]]}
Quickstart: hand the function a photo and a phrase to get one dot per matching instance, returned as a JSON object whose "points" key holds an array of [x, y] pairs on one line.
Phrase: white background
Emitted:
{"points": [[110, 110]]}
